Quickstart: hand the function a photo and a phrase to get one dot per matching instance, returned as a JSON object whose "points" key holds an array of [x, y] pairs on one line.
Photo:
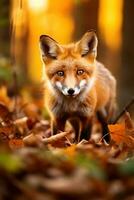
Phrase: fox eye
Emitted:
{"points": [[60, 73], [80, 71]]}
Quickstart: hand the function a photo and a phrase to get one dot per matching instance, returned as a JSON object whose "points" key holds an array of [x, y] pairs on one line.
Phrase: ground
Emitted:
{"points": [[35, 165]]}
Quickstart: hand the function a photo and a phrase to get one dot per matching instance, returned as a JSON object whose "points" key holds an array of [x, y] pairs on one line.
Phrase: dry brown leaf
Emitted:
{"points": [[21, 125], [55, 138], [128, 121], [7, 130], [5, 114], [31, 110], [33, 139], [16, 143]]}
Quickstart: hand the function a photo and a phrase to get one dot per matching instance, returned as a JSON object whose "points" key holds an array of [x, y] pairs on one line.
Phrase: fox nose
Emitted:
{"points": [[71, 91]]}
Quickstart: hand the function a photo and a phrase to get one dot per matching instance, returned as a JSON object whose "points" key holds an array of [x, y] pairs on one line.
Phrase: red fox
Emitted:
{"points": [[77, 86]]}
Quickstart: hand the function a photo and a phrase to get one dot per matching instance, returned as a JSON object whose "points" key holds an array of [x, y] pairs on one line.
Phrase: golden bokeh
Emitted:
{"points": [[50, 20], [56, 19], [110, 22]]}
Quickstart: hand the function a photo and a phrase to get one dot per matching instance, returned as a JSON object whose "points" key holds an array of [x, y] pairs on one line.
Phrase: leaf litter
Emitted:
{"points": [[35, 165]]}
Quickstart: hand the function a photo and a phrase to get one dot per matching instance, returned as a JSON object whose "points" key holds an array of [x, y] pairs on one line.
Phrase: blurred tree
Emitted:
{"points": [[85, 16], [127, 72], [4, 27], [19, 37]]}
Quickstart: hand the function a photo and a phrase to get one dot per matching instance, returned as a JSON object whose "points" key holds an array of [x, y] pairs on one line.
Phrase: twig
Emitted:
{"points": [[128, 121], [16, 89], [13, 56], [129, 104], [103, 137], [68, 141], [82, 142], [55, 138]]}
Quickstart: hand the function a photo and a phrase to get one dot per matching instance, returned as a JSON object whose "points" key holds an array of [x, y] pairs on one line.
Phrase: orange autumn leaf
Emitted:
{"points": [[5, 114], [3, 96], [7, 130], [119, 135], [16, 143], [70, 151], [117, 132]]}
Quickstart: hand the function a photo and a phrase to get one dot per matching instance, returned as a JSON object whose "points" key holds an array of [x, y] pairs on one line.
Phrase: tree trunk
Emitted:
{"points": [[85, 17], [127, 72], [4, 27]]}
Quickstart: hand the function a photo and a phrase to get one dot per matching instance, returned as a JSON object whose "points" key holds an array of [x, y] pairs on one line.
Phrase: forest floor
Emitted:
{"points": [[35, 165]]}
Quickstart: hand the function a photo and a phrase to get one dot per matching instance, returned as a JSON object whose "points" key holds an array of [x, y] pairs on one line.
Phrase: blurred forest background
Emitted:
{"points": [[23, 21]]}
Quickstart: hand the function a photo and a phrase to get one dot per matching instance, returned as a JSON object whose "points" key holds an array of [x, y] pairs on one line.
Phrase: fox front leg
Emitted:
{"points": [[76, 126], [57, 125], [86, 128]]}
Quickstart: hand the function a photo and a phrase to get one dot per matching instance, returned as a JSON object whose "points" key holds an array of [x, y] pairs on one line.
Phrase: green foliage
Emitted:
{"points": [[4, 22], [93, 166], [5, 70], [127, 168], [45, 113], [5, 74], [78, 1], [10, 162]]}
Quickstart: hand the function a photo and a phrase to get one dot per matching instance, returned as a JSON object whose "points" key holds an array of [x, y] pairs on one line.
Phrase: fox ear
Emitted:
{"points": [[49, 47], [88, 44]]}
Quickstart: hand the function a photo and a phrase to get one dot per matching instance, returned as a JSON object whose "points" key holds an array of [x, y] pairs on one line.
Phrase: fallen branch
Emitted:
{"points": [[130, 103]]}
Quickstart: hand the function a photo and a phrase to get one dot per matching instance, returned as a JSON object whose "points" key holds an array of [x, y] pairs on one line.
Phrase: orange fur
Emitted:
{"points": [[98, 93]]}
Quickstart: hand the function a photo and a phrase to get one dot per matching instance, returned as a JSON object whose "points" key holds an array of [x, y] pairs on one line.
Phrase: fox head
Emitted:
{"points": [[70, 69]]}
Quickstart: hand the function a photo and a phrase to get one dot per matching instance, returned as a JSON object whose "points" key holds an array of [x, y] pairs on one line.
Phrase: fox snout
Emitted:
{"points": [[71, 91]]}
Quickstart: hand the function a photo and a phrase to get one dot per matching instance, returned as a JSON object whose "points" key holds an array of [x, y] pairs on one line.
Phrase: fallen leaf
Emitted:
{"points": [[33, 139], [5, 114], [117, 132], [3, 96], [16, 143], [128, 121], [70, 151], [119, 135], [7, 130], [55, 138]]}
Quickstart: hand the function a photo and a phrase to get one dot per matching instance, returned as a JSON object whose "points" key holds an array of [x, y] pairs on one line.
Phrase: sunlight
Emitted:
{"points": [[52, 13], [37, 5], [36, 17], [110, 22]]}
